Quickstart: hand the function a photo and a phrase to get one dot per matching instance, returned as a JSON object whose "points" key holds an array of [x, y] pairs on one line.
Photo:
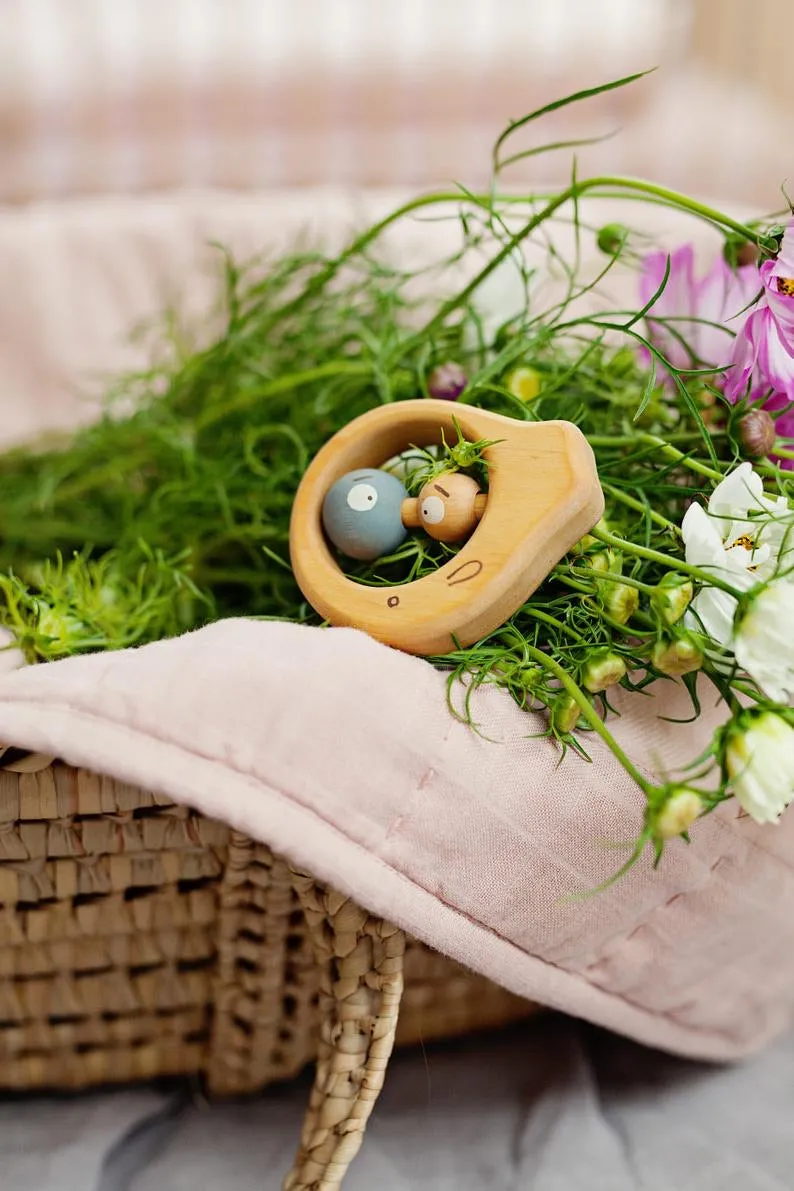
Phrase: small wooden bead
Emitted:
{"points": [[361, 514], [448, 507]]}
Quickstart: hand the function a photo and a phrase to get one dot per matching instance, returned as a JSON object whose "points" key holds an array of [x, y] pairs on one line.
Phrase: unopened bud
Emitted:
{"points": [[620, 601], [524, 383], [678, 813], [529, 676], [504, 667], [738, 251], [623, 362], [602, 669], [757, 433], [604, 560], [583, 544], [588, 540], [565, 714], [447, 381], [681, 656], [611, 238], [672, 596]]}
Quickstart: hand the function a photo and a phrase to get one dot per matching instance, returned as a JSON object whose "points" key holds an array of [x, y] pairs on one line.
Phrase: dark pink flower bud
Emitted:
{"points": [[447, 381], [757, 433], [747, 254]]}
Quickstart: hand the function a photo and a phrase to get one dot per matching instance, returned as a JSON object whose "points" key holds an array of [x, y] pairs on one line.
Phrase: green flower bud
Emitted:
{"points": [[603, 560], [61, 629], [588, 540], [529, 676], [583, 544], [620, 601], [602, 669], [611, 238], [504, 667], [464, 454], [564, 714], [679, 813], [672, 596], [623, 362], [681, 656]]}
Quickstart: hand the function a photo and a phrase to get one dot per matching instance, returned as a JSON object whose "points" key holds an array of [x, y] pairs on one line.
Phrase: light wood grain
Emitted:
{"points": [[544, 495]]}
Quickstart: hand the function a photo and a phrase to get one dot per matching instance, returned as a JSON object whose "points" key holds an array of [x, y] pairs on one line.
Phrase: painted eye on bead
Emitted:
{"points": [[432, 510], [362, 497]]}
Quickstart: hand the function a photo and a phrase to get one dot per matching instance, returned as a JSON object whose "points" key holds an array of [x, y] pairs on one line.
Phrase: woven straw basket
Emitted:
{"points": [[140, 940]]}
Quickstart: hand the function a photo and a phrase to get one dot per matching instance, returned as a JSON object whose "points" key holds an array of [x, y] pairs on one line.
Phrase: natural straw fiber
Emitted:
{"points": [[139, 939]]}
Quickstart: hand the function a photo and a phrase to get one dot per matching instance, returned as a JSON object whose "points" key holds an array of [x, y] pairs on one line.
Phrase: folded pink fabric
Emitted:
{"points": [[342, 754]]}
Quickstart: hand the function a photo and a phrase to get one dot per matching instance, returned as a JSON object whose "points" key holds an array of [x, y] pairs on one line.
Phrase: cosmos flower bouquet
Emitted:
{"points": [[173, 509]]}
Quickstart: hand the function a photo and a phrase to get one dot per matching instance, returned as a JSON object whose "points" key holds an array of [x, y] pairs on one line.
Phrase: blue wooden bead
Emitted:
{"points": [[361, 514]]}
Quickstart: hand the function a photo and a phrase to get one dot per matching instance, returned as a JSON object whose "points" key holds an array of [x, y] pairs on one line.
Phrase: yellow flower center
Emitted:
{"points": [[785, 285], [744, 539]]}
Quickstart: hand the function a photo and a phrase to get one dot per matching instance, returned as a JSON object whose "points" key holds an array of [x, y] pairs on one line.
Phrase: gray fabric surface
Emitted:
{"points": [[550, 1106]]}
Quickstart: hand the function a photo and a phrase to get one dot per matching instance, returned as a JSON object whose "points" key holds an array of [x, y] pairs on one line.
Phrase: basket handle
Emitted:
{"points": [[361, 984]]}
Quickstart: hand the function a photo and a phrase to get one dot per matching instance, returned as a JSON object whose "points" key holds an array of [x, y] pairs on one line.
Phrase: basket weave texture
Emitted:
{"points": [[139, 939]]}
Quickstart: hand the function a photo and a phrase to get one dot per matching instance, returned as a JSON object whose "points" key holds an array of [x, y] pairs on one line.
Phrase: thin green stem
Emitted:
{"points": [[632, 503], [282, 384], [665, 560], [585, 589], [670, 452], [629, 440], [538, 614], [615, 577], [590, 714], [673, 198]]}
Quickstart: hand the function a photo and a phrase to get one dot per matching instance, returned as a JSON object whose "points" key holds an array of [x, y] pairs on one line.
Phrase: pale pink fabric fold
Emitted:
{"points": [[343, 755]]}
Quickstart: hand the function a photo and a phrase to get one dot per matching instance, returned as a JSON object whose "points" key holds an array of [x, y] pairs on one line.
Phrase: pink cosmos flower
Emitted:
{"points": [[763, 352], [701, 316], [740, 320]]}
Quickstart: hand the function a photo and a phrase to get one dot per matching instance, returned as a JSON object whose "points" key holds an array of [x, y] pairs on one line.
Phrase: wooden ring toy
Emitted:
{"points": [[543, 497]]}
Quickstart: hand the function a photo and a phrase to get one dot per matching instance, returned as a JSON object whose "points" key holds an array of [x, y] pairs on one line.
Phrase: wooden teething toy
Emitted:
{"points": [[543, 497]]}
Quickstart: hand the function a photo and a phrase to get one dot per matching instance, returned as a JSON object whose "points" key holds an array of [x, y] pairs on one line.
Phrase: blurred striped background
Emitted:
{"points": [[126, 96]]}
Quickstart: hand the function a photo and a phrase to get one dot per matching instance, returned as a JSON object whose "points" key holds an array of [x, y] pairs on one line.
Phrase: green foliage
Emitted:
{"points": [[173, 509]]}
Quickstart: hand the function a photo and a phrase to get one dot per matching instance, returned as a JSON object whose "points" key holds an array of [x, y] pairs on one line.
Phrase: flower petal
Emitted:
{"points": [[721, 302], [499, 299], [744, 357], [763, 640], [785, 257], [775, 359], [676, 302], [737, 493], [712, 612]]}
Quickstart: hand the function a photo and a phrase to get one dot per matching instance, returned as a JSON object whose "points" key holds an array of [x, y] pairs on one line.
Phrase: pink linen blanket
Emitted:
{"points": [[342, 754]]}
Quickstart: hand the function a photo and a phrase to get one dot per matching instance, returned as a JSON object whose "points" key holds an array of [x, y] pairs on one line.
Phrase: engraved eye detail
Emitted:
{"points": [[432, 510], [362, 497]]}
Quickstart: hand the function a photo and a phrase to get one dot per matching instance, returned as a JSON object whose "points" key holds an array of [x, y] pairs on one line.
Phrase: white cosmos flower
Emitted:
{"points": [[499, 299], [759, 760], [739, 538], [764, 640]]}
